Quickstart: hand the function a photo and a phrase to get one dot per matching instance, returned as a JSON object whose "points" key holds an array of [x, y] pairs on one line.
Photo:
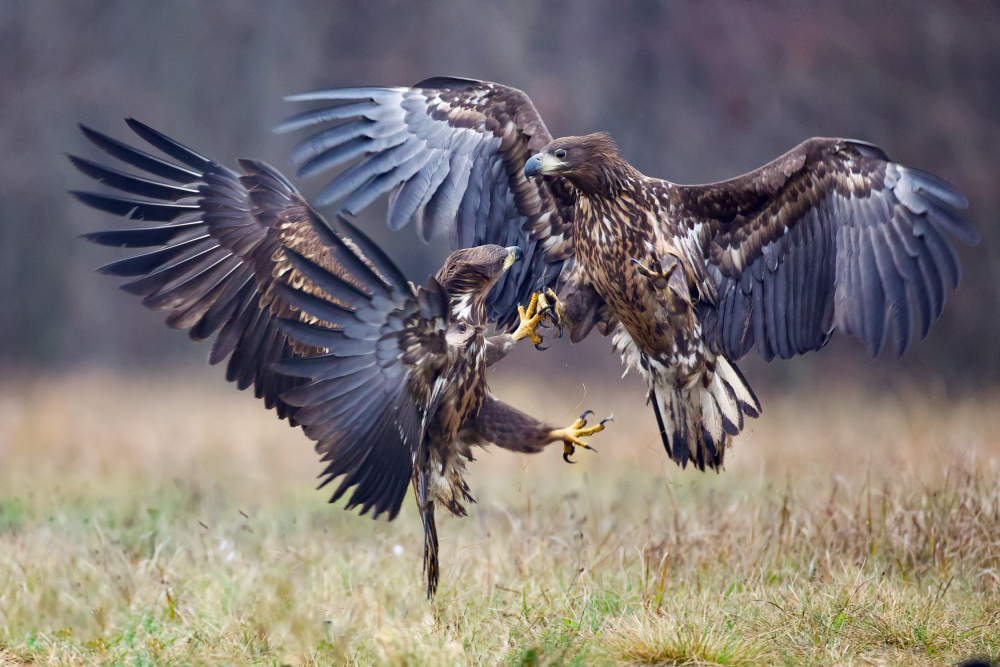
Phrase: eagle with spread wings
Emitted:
{"points": [[387, 378], [688, 279]]}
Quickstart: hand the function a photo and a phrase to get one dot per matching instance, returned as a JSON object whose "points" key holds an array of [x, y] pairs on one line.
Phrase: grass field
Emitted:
{"points": [[151, 523]]}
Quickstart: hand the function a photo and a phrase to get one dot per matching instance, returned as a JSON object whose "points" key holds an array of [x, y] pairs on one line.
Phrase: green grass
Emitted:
{"points": [[146, 526]]}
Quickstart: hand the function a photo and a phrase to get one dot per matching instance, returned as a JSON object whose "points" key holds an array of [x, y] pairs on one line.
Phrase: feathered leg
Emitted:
{"points": [[505, 426]]}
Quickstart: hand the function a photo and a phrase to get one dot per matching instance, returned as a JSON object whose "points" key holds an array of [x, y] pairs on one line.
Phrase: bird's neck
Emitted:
{"points": [[469, 306], [607, 178], [620, 198]]}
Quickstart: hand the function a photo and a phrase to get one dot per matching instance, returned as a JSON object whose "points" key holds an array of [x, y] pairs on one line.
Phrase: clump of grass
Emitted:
{"points": [[152, 523], [664, 638]]}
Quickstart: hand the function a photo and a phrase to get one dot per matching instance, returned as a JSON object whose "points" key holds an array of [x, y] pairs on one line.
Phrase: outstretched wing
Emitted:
{"points": [[833, 234], [217, 237], [362, 403], [451, 154], [245, 256]]}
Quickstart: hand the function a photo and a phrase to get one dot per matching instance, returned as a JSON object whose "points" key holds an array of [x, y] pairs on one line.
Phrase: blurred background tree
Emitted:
{"points": [[692, 92]]}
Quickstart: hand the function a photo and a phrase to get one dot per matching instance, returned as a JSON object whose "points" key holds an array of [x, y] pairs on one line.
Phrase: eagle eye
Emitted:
{"points": [[560, 153]]}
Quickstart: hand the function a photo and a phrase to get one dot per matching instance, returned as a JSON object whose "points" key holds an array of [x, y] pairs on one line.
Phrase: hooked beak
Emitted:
{"points": [[533, 167], [514, 254]]}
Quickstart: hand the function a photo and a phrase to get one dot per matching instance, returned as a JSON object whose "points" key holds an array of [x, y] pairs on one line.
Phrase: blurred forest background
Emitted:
{"points": [[693, 92]]}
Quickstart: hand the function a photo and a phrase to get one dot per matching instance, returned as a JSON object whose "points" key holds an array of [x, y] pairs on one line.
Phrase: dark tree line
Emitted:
{"points": [[691, 91]]}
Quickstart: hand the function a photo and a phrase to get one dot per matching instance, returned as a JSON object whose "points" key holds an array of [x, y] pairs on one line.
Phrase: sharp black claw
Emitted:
{"points": [[566, 458], [584, 416], [540, 347], [560, 330], [607, 419]]}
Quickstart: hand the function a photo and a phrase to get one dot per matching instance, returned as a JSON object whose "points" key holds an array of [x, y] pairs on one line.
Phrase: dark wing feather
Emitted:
{"points": [[363, 401], [831, 234], [212, 262], [246, 257], [450, 154]]}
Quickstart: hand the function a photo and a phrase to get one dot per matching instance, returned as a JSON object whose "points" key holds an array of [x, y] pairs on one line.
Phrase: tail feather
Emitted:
{"points": [[672, 418], [698, 420], [426, 506], [712, 431], [730, 412], [731, 375], [431, 567]]}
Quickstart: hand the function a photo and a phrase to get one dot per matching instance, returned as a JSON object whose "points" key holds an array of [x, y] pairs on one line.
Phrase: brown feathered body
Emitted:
{"points": [[621, 227]]}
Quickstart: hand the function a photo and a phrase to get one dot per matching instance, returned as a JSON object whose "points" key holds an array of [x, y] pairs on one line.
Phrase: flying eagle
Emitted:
{"points": [[689, 279], [389, 379]]}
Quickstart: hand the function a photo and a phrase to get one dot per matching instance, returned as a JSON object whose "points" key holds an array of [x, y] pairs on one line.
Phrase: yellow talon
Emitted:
{"points": [[572, 434], [543, 302], [551, 308], [530, 318]]}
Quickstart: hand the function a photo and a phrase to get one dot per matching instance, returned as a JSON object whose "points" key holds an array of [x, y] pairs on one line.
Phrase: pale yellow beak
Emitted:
{"points": [[514, 254]]}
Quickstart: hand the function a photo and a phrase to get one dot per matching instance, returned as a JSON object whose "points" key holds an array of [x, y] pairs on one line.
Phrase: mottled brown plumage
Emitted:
{"points": [[833, 234], [388, 379]]}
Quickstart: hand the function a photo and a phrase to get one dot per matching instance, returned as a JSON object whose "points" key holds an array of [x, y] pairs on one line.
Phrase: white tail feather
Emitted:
{"points": [[672, 418], [732, 376], [725, 396], [711, 417], [699, 419]]}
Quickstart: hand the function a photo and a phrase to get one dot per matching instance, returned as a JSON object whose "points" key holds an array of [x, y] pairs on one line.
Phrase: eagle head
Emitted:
{"points": [[469, 274], [588, 162]]}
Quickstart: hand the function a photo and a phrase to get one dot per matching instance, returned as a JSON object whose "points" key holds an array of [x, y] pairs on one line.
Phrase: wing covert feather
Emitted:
{"points": [[450, 154], [366, 394], [833, 234]]}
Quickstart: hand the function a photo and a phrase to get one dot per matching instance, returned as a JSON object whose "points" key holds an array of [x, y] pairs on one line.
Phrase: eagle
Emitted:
{"points": [[389, 379], [687, 279]]}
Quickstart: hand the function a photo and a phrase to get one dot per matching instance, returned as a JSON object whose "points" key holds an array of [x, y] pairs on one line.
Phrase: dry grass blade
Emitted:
{"points": [[148, 522]]}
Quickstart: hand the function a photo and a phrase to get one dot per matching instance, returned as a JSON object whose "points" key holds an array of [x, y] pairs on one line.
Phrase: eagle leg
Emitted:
{"points": [[531, 318], [571, 435]]}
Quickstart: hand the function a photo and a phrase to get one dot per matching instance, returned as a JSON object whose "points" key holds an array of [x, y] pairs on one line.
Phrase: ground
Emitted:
{"points": [[163, 521]]}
